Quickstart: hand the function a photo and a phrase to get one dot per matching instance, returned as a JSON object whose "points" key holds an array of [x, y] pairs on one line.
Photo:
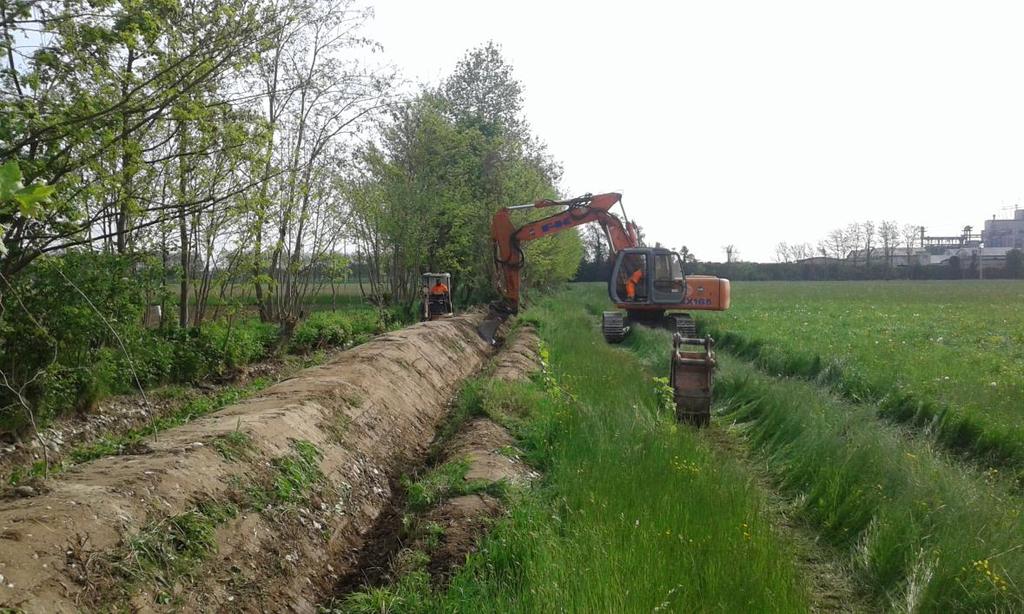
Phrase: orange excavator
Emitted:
{"points": [[646, 283]]}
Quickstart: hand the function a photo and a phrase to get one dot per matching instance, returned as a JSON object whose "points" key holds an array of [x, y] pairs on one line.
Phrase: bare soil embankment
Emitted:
{"points": [[251, 508]]}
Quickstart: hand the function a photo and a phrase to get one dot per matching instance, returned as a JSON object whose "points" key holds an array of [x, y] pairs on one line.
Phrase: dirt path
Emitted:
{"points": [[826, 575]]}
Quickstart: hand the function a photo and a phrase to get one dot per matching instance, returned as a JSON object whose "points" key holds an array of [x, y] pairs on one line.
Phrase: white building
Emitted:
{"points": [[1004, 233]]}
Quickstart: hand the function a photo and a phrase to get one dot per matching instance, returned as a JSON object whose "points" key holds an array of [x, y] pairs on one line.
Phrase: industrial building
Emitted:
{"points": [[1004, 233], [988, 249]]}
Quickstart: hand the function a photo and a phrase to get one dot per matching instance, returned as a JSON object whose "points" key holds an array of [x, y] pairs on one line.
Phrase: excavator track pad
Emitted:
{"points": [[613, 326], [692, 378], [684, 324]]}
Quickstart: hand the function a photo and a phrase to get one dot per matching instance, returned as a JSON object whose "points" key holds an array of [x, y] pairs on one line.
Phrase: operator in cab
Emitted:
{"points": [[439, 289], [635, 278]]}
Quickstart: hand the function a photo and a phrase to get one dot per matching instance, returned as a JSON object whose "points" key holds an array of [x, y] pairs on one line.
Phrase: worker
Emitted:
{"points": [[631, 283], [439, 289]]}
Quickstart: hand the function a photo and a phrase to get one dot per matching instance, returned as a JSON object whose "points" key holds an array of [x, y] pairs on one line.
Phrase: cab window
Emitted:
{"points": [[668, 278]]}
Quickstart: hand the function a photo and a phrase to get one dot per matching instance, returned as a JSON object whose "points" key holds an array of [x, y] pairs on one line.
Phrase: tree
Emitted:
{"points": [[687, 256], [92, 110], [888, 234], [853, 238], [868, 228], [837, 244], [800, 251], [731, 253], [423, 195], [482, 92], [17, 199], [910, 234], [782, 252], [315, 97]]}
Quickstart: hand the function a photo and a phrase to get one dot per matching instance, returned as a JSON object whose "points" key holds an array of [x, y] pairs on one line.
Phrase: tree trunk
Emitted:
{"points": [[126, 162], [183, 224]]}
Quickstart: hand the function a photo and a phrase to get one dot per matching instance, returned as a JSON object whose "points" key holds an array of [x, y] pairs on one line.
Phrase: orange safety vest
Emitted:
{"points": [[631, 283], [439, 288]]}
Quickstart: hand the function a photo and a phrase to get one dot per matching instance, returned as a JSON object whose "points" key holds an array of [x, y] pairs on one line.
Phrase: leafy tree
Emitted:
{"points": [[447, 160], [91, 110], [18, 200]]}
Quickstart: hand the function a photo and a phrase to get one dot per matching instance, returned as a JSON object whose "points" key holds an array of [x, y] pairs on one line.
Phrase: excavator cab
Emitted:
{"points": [[645, 277]]}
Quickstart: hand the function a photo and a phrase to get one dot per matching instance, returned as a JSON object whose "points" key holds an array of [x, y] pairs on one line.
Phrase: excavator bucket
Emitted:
{"points": [[692, 378], [488, 329], [497, 313]]}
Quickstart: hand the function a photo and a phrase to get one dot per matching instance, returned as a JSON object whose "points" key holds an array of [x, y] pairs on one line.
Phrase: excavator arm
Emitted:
{"points": [[508, 240]]}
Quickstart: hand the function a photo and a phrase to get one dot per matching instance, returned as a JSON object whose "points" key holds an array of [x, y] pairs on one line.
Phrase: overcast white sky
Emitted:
{"points": [[755, 122]]}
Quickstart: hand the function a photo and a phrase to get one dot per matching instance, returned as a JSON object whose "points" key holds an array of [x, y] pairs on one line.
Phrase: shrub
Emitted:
{"points": [[324, 329], [56, 344]]}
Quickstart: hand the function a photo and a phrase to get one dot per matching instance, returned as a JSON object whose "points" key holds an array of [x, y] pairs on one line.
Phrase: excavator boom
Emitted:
{"points": [[508, 239]]}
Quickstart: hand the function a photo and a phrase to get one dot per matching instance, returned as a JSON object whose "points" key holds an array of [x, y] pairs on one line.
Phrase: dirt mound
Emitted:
{"points": [[520, 357], [246, 508], [120, 414], [490, 450], [463, 520]]}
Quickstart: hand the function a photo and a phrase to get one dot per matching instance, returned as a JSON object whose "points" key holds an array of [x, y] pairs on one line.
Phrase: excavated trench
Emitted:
{"points": [[261, 506], [483, 447]]}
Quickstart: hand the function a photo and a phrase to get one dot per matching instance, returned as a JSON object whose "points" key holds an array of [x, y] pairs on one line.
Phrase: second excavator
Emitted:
{"points": [[646, 284]]}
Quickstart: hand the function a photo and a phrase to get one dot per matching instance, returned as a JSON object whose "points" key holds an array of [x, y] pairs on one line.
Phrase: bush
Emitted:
{"points": [[217, 347], [102, 346], [325, 329], [53, 337]]}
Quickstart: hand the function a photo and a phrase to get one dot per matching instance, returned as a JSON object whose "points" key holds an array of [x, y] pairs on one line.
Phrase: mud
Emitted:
{"points": [[369, 413], [491, 452], [493, 457], [464, 520]]}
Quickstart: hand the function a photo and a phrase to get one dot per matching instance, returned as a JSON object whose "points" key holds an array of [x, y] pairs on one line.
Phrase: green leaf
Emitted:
{"points": [[10, 179], [30, 198]]}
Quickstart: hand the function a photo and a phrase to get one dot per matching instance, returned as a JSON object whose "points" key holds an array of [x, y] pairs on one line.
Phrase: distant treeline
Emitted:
{"points": [[844, 271], [830, 270]]}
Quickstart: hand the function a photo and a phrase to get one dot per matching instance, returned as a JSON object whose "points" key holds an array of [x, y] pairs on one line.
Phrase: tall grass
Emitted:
{"points": [[940, 355], [635, 514], [924, 533]]}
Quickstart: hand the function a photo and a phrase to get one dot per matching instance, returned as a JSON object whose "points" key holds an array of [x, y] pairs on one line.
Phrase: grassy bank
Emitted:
{"points": [[634, 514], [945, 356]]}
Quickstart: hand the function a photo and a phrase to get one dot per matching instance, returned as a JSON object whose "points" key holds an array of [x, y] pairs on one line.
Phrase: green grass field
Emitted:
{"points": [[947, 356], [636, 513], [920, 530]]}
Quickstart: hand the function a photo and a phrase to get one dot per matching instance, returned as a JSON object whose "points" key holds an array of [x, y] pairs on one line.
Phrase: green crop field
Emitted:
{"points": [[946, 356]]}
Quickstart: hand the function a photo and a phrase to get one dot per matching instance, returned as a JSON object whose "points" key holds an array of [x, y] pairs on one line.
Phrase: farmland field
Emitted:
{"points": [[948, 356], [892, 507], [638, 514]]}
